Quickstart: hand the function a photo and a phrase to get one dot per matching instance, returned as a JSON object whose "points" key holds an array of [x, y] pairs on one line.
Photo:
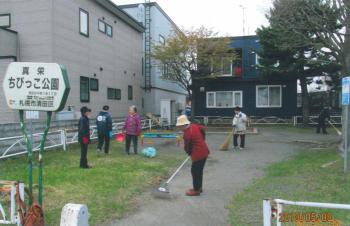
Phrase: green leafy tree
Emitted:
{"points": [[192, 54], [284, 54]]}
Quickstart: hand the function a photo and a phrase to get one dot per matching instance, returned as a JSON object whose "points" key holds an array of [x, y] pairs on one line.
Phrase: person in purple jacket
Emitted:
{"points": [[132, 129]]}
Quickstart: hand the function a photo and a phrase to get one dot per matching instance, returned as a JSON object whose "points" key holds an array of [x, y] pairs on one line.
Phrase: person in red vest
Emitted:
{"points": [[195, 146]]}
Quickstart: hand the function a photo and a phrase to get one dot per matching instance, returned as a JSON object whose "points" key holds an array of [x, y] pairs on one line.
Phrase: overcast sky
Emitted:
{"points": [[223, 16]]}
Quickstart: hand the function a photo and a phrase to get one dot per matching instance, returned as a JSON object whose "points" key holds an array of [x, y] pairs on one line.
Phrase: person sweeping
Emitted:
{"points": [[239, 124], [195, 146]]}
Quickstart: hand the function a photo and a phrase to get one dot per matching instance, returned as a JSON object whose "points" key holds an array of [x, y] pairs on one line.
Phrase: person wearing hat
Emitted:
{"points": [[104, 129], [84, 136], [239, 124], [195, 146]]}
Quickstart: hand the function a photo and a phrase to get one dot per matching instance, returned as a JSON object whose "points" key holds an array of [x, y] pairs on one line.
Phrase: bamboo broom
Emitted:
{"points": [[226, 144]]}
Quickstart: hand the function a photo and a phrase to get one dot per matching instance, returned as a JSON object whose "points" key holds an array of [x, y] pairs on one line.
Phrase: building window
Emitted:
{"points": [[5, 20], [165, 69], [257, 59], [84, 89], [143, 103], [84, 22], [105, 28], [101, 26], [113, 94], [224, 99], [93, 84], [161, 39], [130, 93], [143, 66], [109, 30], [268, 96], [223, 68]]}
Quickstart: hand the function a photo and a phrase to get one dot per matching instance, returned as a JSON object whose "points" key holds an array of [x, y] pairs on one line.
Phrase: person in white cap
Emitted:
{"points": [[195, 146], [239, 123]]}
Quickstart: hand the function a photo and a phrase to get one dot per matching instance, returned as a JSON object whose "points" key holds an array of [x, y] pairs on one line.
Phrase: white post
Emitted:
{"points": [[13, 204], [279, 211], [63, 140], [267, 212], [150, 124], [294, 121], [21, 195]]}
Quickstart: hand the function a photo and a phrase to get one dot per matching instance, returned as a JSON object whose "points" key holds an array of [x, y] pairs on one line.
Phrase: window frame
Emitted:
{"points": [[161, 39], [104, 25], [117, 91], [268, 96], [130, 94], [109, 35], [87, 79], [9, 16], [95, 80], [233, 99], [88, 22]]}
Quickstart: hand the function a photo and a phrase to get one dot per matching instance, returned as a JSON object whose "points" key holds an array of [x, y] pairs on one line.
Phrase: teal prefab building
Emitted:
{"points": [[240, 85]]}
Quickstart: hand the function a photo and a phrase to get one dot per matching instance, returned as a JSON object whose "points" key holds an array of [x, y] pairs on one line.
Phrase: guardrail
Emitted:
{"points": [[273, 209], [14, 146], [269, 120]]}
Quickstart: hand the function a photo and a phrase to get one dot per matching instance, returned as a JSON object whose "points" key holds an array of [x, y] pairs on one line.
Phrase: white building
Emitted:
{"points": [[159, 27]]}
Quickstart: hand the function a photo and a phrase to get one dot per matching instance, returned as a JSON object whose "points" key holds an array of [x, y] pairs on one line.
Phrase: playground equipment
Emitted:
{"points": [[150, 136], [9, 188]]}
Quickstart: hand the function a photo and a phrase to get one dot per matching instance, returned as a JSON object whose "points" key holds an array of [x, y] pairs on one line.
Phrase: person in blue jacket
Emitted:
{"points": [[104, 129]]}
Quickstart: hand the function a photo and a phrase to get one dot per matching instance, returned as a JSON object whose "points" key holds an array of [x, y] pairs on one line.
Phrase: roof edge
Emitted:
{"points": [[121, 14], [152, 4]]}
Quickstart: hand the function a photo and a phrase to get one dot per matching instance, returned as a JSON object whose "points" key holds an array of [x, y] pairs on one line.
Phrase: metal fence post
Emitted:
{"points": [[150, 124], [63, 140], [279, 211], [267, 212]]}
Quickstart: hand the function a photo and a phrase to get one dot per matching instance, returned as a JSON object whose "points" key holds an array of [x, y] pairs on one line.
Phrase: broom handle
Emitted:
{"points": [[336, 129], [177, 170]]}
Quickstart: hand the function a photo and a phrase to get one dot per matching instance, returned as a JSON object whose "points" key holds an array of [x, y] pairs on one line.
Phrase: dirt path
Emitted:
{"points": [[226, 173]]}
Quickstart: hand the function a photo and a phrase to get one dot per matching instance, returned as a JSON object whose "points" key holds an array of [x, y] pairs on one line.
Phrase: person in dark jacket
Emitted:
{"points": [[322, 117], [195, 146], [104, 129], [84, 136]]}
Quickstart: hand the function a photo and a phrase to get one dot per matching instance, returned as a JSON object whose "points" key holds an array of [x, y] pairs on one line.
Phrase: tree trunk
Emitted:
{"points": [[305, 101]]}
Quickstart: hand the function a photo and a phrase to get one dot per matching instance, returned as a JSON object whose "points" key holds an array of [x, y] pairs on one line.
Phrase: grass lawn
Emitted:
{"points": [[299, 179], [108, 188]]}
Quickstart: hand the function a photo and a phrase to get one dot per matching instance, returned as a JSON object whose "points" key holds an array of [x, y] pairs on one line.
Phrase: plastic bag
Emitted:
{"points": [[120, 137], [149, 152]]}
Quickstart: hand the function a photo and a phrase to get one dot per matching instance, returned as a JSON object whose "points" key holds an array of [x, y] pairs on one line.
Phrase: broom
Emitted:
{"points": [[338, 132], [226, 144]]}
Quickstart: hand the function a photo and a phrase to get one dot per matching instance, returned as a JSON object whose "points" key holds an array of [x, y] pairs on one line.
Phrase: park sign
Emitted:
{"points": [[36, 86]]}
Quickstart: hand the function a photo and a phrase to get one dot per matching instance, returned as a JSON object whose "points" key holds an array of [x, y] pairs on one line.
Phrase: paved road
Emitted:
{"points": [[226, 173]]}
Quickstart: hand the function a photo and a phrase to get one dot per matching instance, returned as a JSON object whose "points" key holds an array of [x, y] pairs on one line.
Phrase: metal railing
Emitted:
{"points": [[14, 146], [273, 209], [13, 216], [268, 120]]}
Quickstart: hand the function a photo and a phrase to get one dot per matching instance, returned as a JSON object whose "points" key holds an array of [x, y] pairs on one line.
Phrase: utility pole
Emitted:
{"points": [[243, 22]]}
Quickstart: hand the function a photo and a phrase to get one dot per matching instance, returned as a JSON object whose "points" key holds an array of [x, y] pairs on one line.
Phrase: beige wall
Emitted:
{"points": [[84, 56], [48, 31]]}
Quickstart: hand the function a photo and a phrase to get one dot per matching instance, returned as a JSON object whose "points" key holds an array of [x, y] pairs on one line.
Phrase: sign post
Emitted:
{"points": [[345, 103], [36, 87]]}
